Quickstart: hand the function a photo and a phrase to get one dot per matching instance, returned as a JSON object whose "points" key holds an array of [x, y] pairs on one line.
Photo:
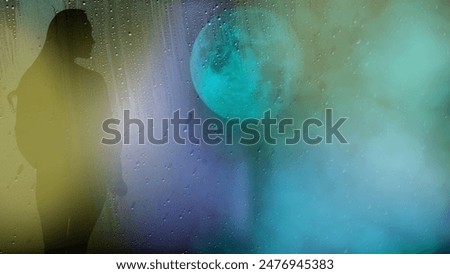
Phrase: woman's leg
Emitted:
{"points": [[84, 214], [52, 206]]}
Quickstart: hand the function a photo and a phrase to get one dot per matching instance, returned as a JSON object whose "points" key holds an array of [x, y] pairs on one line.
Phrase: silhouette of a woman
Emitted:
{"points": [[60, 109]]}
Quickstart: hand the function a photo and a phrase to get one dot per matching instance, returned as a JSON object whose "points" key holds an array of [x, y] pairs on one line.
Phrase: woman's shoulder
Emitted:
{"points": [[88, 73], [89, 76]]}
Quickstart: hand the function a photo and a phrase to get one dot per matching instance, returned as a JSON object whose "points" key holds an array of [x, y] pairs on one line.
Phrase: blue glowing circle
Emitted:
{"points": [[245, 62]]}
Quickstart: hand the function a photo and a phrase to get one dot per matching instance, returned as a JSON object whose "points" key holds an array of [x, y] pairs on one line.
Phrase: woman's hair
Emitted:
{"points": [[67, 29]]}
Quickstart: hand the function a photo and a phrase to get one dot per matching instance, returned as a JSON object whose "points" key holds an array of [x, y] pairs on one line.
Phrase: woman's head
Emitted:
{"points": [[70, 33]]}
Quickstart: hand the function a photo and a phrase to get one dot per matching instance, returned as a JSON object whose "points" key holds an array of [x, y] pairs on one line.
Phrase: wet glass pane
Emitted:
{"points": [[224, 126]]}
